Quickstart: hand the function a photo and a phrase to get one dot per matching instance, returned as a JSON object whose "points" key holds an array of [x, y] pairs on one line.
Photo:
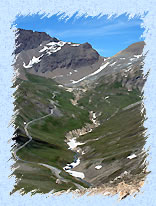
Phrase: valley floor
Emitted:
{"points": [[106, 122]]}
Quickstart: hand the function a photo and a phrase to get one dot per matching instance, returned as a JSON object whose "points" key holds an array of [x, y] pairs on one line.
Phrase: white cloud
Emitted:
{"points": [[98, 30]]}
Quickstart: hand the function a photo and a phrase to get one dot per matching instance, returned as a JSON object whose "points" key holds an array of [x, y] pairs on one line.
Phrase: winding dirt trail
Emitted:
{"points": [[55, 171], [29, 136]]}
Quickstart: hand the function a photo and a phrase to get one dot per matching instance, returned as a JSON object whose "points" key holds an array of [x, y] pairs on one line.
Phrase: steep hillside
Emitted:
{"points": [[71, 64], [78, 116]]}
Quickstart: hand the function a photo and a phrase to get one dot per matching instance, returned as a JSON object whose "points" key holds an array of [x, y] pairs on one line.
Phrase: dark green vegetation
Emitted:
{"points": [[120, 134], [106, 99], [34, 177], [32, 98]]}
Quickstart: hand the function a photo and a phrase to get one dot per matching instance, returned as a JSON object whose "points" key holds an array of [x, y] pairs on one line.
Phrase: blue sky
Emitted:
{"points": [[107, 36]]}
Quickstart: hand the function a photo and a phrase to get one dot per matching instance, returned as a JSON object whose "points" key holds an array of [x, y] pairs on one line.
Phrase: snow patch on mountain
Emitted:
{"points": [[75, 44], [131, 59], [72, 165], [34, 60], [98, 167], [131, 156], [138, 56], [92, 74], [112, 64], [70, 73], [53, 47], [73, 143]]}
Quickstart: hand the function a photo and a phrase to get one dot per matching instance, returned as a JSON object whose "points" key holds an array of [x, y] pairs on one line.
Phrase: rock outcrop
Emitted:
{"points": [[73, 64]]}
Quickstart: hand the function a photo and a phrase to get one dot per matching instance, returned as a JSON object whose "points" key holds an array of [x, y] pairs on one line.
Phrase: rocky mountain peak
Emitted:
{"points": [[133, 49], [86, 45], [28, 39], [136, 48], [41, 54], [74, 63]]}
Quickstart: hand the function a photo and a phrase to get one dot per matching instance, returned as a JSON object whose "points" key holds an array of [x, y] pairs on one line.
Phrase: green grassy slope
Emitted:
{"points": [[118, 97], [48, 146], [120, 132]]}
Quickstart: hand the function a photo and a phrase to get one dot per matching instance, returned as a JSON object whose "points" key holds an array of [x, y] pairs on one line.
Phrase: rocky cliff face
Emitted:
{"points": [[40, 54], [69, 57], [73, 64], [27, 39]]}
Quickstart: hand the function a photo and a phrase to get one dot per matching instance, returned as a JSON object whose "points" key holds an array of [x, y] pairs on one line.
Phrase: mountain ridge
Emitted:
{"points": [[91, 103], [71, 63]]}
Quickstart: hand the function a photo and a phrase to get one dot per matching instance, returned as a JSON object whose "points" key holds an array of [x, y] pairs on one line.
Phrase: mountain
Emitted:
{"points": [[27, 39], [78, 116], [133, 49], [52, 58], [71, 63]]}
